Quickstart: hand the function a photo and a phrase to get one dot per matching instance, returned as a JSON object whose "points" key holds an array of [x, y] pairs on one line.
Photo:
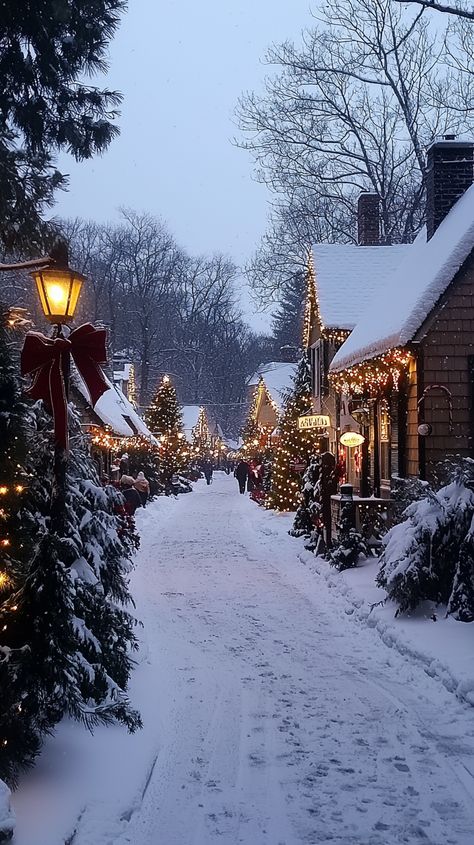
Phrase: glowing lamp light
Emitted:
{"points": [[58, 290], [351, 439]]}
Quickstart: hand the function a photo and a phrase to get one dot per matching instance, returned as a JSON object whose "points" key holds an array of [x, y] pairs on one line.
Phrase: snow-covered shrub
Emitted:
{"points": [[349, 544], [7, 819], [428, 556]]}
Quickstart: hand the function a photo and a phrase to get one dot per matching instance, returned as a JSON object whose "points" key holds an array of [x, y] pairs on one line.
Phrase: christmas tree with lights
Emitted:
{"points": [[296, 445], [66, 631], [164, 419], [253, 435], [201, 436], [20, 737]]}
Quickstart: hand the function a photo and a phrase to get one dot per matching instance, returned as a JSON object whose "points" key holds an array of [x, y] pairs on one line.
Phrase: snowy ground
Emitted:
{"points": [[272, 716]]}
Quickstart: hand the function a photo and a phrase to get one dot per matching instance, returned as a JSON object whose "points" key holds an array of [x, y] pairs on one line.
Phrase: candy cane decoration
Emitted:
{"points": [[450, 401]]}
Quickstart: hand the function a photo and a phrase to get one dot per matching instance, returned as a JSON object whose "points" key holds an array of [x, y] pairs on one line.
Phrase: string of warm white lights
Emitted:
{"points": [[373, 376]]}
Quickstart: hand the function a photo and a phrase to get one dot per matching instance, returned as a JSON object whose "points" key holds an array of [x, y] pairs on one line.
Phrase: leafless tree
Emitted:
{"points": [[458, 9], [353, 108]]}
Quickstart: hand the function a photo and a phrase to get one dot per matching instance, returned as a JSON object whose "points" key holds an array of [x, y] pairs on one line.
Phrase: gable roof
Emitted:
{"points": [[190, 414], [347, 277], [396, 314], [278, 378]]}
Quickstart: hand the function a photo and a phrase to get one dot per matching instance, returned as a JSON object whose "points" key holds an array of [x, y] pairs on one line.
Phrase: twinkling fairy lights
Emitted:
{"points": [[374, 376]]}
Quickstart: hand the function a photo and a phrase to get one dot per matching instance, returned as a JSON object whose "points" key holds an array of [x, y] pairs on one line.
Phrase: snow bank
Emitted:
{"points": [[443, 648], [7, 819]]}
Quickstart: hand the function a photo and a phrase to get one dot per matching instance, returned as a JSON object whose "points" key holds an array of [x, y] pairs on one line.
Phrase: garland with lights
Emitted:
{"points": [[295, 445], [375, 376], [132, 387]]}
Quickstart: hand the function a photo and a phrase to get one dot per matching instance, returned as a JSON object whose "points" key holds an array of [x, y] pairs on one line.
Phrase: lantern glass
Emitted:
{"points": [[58, 291]]}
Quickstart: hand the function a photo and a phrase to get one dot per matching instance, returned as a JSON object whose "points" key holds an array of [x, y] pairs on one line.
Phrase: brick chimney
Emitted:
{"points": [[368, 220], [450, 172]]}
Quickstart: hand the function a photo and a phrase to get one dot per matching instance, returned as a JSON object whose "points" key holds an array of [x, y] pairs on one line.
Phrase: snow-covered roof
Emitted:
{"points": [[123, 374], [190, 418], [347, 277], [114, 409], [278, 378], [394, 316]]}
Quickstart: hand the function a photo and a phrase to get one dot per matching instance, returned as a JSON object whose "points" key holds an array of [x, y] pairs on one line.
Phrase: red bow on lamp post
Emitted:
{"points": [[47, 359]]}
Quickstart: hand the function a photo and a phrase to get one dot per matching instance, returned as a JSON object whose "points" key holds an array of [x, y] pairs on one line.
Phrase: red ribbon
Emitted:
{"points": [[42, 357]]}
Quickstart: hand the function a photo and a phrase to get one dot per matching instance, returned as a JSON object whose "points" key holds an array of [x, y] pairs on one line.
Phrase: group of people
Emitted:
{"points": [[249, 474]]}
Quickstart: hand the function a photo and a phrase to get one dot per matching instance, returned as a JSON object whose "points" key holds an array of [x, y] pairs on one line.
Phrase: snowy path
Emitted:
{"points": [[271, 717]]}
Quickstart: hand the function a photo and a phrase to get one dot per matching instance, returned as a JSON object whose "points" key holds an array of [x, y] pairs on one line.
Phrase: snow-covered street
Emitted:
{"points": [[270, 716]]}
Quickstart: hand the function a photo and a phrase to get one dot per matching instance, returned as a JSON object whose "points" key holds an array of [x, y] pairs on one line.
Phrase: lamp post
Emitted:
{"points": [[58, 288]]}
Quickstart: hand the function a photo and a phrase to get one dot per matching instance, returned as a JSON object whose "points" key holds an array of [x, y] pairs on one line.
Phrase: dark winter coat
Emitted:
{"points": [[241, 471], [132, 499]]}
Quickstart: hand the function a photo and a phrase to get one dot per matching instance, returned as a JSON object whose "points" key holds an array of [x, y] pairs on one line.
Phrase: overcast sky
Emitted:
{"points": [[181, 66]]}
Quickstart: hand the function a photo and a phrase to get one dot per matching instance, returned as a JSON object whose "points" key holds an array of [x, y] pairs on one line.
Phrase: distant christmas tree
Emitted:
{"points": [[164, 419], [296, 445], [201, 436]]}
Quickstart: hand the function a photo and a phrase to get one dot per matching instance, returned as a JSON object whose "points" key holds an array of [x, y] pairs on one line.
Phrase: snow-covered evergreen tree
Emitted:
{"points": [[461, 600], [306, 516], [19, 735], [350, 545], [66, 632], [427, 555]]}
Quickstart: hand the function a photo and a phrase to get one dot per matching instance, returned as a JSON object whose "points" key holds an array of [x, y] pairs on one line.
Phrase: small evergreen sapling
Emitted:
{"points": [[350, 545]]}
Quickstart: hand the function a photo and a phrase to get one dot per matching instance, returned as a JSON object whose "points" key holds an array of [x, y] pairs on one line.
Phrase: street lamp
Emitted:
{"points": [[58, 287]]}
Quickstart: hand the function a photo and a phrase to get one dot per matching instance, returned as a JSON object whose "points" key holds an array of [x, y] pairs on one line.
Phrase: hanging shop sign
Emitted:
{"points": [[314, 421], [351, 439]]}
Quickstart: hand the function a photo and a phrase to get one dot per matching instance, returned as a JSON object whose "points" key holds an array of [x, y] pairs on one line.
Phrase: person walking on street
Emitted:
{"points": [[241, 473], [207, 470], [143, 486], [131, 496]]}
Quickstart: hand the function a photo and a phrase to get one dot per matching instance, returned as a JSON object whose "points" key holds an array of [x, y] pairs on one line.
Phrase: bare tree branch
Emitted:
{"points": [[440, 7]]}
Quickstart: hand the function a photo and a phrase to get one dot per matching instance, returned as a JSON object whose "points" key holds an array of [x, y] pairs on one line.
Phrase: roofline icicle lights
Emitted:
{"points": [[373, 375]]}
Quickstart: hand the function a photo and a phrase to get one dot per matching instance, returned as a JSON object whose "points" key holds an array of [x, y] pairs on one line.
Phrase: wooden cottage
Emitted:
{"points": [[267, 389], [407, 368], [343, 280]]}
